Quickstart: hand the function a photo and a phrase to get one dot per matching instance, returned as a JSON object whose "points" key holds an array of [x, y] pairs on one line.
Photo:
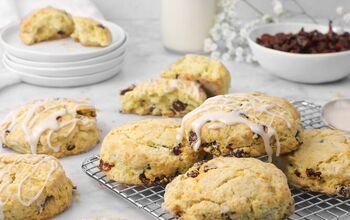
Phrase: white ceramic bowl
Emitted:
{"points": [[305, 68]]}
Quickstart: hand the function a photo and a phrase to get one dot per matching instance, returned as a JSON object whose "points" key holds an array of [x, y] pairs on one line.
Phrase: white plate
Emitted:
{"points": [[62, 50], [120, 51], [68, 81], [63, 71]]}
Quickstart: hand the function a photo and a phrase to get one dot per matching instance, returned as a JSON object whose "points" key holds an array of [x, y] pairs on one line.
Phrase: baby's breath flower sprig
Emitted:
{"points": [[228, 36]]}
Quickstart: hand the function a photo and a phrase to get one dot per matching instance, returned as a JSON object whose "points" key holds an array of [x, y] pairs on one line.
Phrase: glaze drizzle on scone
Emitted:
{"points": [[36, 184], [45, 118], [232, 109]]}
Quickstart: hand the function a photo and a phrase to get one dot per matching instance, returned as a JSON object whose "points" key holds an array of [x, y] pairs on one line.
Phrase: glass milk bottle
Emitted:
{"points": [[186, 23]]}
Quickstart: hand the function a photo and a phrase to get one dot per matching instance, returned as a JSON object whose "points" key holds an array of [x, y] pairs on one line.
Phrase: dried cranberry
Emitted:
{"points": [[177, 150], [313, 174], [101, 26], [239, 153], [70, 147], [193, 173], [157, 181], [129, 89], [192, 138], [210, 144], [344, 191], [307, 42], [265, 128], [105, 166], [297, 173], [61, 32], [179, 106]]}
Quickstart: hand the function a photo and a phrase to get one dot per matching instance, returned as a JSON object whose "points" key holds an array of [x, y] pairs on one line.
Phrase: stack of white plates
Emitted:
{"points": [[63, 63]]}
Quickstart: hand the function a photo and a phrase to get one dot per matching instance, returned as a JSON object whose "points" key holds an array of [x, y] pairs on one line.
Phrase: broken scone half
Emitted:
{"points": [[89, 32], [46, 24], [166, 97]]}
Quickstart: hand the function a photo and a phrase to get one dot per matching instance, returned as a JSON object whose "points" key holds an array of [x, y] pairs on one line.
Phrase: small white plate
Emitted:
{"points": [[120, 51], [59, 72], [62, 50], [68, 81]]}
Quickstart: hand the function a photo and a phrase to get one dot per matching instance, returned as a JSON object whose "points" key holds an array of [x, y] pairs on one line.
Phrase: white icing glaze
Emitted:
{"points": [[57, 148], [23, 175], [33, 128], [33, 132], [53, 167], [227, 110]]}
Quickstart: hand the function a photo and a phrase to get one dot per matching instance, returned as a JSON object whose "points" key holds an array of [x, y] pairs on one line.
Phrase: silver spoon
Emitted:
{"points": [[336, 114]]}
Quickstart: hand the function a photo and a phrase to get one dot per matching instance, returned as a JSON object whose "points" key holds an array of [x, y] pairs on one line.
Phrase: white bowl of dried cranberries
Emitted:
{"points": [[305, 53]]}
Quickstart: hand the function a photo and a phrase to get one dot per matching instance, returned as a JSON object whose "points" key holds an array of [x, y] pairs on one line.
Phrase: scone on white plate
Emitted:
{"points": [[90, 32], [46, 24]]}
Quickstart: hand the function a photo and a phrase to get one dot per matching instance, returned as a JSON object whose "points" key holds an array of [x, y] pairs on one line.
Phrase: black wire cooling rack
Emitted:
{"points": [[308, 205]]}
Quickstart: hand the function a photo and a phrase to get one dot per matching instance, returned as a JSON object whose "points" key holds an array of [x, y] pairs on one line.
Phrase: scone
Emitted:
{"points": [[167, 97], [145, 152], [46, 24], [210, 73], [230, 188], [91, 33], [322, 163], [58, 127], [243, 125], [33, 187]]}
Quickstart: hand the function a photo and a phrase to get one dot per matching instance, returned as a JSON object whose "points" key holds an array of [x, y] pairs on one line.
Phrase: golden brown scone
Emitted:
{"points": [[210, 73], [32, 187], [243, 125], [322, 163], [46, 24], [230, 188], [58, 127], [89, 32], [166, 97], [145, 152]]}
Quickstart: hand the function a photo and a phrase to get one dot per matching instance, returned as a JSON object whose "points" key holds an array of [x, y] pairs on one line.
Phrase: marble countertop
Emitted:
{"points": [[145, 58]]}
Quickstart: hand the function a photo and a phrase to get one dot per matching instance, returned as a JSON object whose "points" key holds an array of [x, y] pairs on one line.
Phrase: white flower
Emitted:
{"points": [[226, 56], [228, 33], [239, 51], [220, 17], [239, 59], [340, 10], [213, 47], [346, 18], [249, 58], [215, 55], [277, 7], [208, 44]]}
